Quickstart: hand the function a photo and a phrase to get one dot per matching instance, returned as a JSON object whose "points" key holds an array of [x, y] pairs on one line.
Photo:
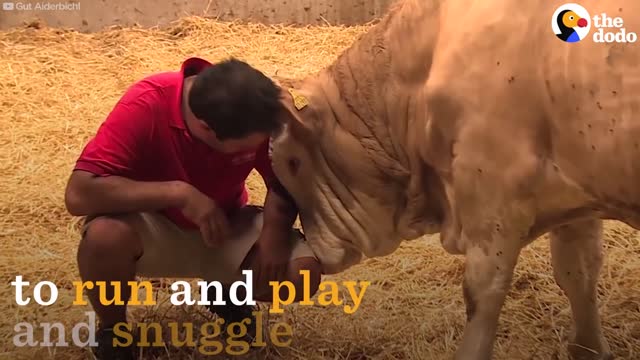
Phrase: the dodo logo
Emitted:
{"points": [[571, 22]]}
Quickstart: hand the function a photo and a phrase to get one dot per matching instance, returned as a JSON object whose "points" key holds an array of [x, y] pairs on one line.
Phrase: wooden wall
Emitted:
{"points": [[93, 15]]}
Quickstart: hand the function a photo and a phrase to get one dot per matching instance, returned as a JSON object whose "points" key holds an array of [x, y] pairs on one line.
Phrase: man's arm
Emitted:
{"points": [[280, 213], [88, 194], [280, 210], [101, 181], [274, 244], [270, 263]]}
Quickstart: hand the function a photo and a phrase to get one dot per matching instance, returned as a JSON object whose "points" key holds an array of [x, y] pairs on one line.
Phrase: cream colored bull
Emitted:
{"points": [[472, 119]]}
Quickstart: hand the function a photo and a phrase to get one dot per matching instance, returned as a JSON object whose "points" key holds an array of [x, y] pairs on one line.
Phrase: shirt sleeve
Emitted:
{"points": [[121, 140], [263, 164]]}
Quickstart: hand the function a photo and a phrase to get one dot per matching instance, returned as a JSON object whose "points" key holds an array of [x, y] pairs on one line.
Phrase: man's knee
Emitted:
{"points": [[107, 236]]}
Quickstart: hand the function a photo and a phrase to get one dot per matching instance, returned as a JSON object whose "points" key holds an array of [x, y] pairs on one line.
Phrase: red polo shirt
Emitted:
{"points": [[144, 138]]}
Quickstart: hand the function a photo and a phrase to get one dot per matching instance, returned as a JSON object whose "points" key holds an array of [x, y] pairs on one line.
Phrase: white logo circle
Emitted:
{"points": [[571, 22]]}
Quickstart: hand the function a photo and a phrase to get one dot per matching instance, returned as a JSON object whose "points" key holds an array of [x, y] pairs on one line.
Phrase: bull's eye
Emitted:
{"points": [[294, 165]]}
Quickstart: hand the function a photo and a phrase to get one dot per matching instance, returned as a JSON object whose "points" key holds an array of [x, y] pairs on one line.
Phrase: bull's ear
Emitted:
{"points": [[296, 111], [285, 82]]}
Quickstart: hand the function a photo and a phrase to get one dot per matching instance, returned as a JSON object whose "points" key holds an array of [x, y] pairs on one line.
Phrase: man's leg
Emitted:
{"points": [[249, 220], [230, 312], [301, 259], [171, 252], [108, 252]]}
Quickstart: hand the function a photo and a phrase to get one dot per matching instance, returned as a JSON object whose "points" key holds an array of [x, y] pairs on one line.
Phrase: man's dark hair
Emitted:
{"points": [[235, 100]]}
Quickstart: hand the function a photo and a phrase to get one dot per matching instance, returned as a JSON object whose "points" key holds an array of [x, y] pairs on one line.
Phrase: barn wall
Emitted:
{"points": [[93, 15]]}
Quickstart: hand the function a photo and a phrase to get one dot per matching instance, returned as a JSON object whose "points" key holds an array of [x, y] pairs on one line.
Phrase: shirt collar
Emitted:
{"points": [[191, 66]]}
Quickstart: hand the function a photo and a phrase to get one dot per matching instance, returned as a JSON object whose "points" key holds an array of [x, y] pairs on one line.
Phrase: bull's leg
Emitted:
{"points": [[496, 225], [488, 272], [576, 252]]}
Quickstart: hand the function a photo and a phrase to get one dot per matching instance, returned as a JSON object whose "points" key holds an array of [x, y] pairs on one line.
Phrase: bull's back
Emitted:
{"points": [[516, 92], [593, 106]]}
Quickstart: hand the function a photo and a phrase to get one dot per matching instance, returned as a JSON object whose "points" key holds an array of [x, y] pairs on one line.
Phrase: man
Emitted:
{"points": [[162, 186]]}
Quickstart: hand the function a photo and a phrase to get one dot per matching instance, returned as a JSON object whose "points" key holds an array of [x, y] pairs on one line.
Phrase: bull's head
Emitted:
{"points": [[350, 203]]}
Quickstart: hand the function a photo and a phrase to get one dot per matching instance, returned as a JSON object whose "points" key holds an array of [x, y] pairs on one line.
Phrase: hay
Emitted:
{"points": [[56, 86]]}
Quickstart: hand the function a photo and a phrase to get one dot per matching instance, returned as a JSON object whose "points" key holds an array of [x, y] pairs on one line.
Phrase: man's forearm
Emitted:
{"points": [[280, 212], [90, 195]]}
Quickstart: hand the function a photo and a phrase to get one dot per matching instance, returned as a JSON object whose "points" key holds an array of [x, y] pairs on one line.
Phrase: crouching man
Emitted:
{"points": [[162, 187]]}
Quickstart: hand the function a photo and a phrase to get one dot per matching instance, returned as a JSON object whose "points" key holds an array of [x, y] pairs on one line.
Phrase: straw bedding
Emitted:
{"points": [[56, 87]]}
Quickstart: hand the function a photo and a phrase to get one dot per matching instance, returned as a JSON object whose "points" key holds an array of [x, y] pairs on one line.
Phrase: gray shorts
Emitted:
{"points": [[172, 252]]}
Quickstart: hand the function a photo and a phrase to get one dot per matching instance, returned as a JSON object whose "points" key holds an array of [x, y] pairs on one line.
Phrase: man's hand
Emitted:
{"points": [[272, 251], [271, 257], [204, 212]]}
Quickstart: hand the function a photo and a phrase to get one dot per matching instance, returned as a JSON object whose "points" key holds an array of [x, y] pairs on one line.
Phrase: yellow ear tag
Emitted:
{"points": [[299, 101]]}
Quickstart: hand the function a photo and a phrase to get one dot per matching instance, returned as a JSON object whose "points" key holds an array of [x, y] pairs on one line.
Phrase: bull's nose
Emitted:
{"points": [[582, 22]]}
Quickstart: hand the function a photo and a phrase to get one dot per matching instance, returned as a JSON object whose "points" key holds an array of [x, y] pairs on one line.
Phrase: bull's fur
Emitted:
{"points": [[473, 120]]}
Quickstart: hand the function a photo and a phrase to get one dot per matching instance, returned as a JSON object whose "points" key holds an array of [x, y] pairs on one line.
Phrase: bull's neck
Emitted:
{"points": [[379, 78], [379, 85]]}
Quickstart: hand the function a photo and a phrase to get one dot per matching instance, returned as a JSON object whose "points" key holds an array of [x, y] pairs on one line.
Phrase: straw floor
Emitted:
{"points": [[57, 86]]}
